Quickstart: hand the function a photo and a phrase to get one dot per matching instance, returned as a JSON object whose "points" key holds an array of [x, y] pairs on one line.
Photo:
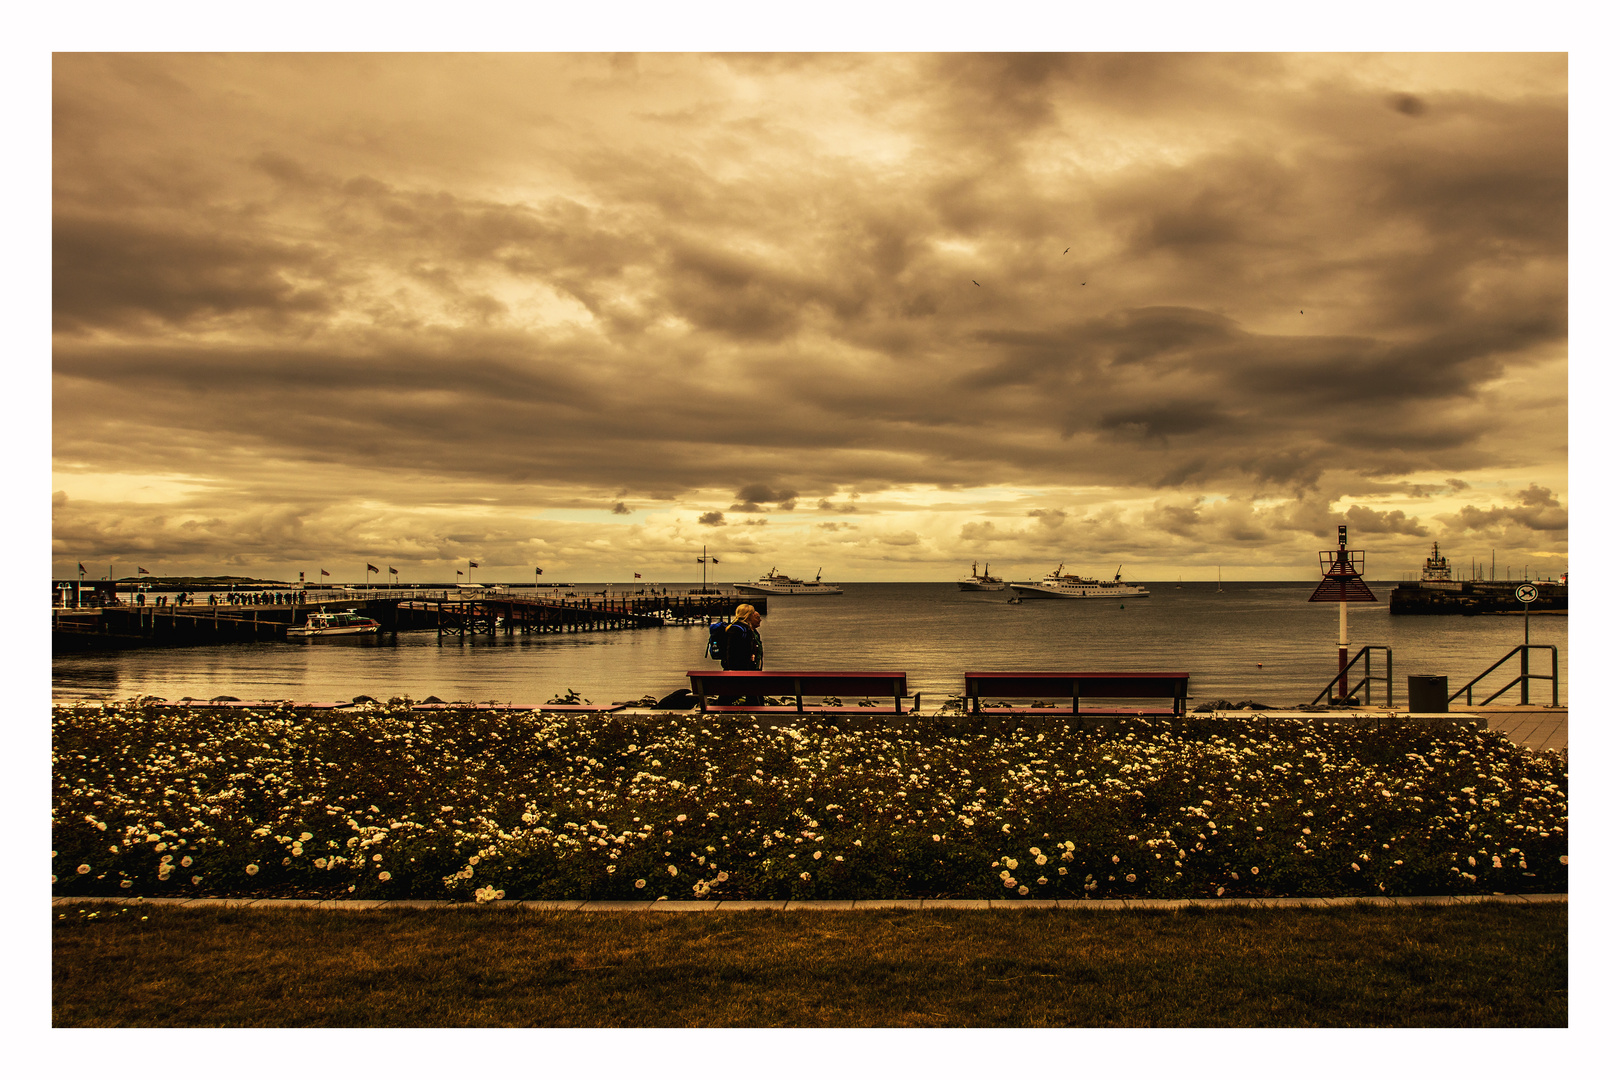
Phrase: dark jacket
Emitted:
{"points": [[744, 649]]}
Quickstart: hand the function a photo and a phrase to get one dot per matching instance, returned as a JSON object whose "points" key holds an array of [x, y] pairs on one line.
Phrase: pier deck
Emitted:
{"points": [[445, 611]]}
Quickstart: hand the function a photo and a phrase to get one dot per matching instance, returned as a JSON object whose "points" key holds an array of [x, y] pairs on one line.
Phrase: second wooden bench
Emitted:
{"points": [[1076, 686]]}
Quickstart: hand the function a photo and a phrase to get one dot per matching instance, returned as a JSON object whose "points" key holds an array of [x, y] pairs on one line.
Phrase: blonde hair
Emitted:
{"points": [[743, 612]]}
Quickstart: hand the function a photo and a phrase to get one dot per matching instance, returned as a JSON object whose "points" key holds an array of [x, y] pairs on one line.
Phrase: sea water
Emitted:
{"points": [[1256, 641]]}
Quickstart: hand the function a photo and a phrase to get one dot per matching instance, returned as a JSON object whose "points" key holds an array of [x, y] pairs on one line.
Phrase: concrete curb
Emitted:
{"points": [[722, 906]]}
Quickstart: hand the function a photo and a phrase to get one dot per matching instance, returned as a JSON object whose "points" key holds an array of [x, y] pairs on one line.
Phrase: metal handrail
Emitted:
{"points": [[1522, 681], [1367, 678]]}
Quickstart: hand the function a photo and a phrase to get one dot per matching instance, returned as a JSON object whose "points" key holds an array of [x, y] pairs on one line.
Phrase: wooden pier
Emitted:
{"points": [[458, 612]]}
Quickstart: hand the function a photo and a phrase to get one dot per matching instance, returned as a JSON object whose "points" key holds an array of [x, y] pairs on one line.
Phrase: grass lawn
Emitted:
{"points": [[1471, 965]]}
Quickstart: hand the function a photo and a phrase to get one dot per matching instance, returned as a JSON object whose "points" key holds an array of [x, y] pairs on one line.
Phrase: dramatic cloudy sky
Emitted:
{"points": [[880, 314]]}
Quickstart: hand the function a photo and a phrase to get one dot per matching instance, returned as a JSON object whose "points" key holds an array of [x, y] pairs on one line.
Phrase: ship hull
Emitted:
{"points": [[788, 590], [331, 631], [1036, 591], [971, 585]]}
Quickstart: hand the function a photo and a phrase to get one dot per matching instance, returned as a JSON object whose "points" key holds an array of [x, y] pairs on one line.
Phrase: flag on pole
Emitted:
{"points": [[325, 574], [538, 570], [82, 569], [638, 575], [373, 569], [391, 570], [458, 573], [472, 564], [142, 570]]}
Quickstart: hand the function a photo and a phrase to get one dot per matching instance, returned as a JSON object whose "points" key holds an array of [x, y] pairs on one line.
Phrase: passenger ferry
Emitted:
{"points": [[977, 582], [323, 623], [774, 584], [1074, 587]]}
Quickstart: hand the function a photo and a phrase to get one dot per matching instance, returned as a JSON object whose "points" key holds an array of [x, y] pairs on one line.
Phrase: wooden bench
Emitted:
{"points": [[1075, 685], [868, 685]]}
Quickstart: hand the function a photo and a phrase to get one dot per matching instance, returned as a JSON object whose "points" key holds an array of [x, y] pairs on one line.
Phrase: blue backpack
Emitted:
{"points": [[716, 649]]}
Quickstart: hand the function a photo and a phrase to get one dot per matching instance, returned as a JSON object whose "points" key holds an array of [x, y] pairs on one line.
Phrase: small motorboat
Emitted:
{"points": [[327, 623]]}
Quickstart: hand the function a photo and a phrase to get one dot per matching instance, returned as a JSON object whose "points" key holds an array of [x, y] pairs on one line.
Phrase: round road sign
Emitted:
{"points": [[1526, 594]]}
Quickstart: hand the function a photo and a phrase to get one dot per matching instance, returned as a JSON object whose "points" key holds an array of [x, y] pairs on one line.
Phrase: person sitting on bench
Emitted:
{"points": [[744, 649]]}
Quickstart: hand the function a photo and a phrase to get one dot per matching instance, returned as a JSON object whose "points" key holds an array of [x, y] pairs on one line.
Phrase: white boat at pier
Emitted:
{"points": [[328, 623]]}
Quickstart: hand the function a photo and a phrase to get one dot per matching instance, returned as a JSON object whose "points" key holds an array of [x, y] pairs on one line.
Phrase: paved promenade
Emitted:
{"points": [[722, 906], [1539, 727]]}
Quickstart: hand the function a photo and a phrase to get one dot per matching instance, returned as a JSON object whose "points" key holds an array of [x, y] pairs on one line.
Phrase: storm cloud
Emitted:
{"points": [[1166, 309]]}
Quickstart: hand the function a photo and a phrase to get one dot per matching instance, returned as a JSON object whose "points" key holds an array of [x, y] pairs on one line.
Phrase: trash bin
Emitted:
{"points": [[1427, 694]]}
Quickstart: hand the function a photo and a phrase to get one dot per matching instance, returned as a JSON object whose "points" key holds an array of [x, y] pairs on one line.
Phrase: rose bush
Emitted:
{"points": [[383, 801]]}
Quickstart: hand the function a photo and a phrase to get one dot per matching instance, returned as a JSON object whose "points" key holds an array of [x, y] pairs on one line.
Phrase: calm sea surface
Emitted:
{"points": [[1257, 640]]}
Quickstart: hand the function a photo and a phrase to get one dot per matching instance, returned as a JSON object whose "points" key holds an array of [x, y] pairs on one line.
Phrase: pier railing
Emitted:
{"points": [[1364, 657], [1522, 681]]}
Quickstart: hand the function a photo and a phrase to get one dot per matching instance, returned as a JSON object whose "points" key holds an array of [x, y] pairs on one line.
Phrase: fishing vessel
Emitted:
{"points": [[1436, 592], [1074, 587], [324, 623], [977, 582], [774, 584]]}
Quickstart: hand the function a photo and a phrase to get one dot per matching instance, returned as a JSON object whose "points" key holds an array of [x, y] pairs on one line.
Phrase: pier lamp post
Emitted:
{"points": [[706, 559], [1341, 582]]}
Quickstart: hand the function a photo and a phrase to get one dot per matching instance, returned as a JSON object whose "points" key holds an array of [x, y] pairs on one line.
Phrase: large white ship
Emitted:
{"points": [[774, 584], [1074, 587], [977, 582]]}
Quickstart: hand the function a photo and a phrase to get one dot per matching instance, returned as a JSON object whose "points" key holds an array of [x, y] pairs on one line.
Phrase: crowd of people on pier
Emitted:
{"points": [[237, 599]]}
